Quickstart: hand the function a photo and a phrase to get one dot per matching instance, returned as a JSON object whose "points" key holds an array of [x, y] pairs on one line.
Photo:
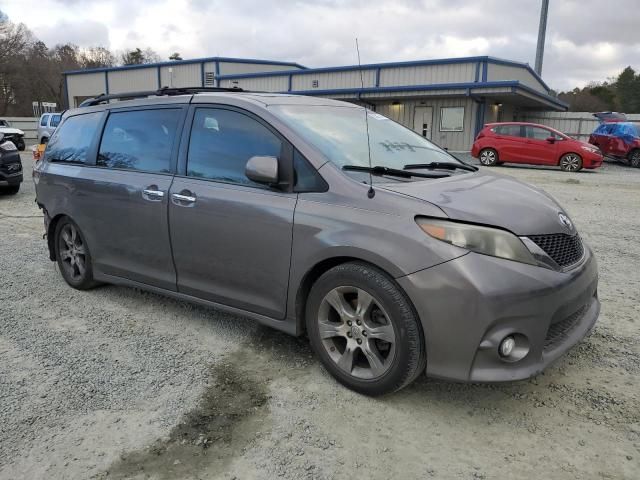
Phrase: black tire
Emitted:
{"points": [[76, 277], [570, 162], [405, 358], [634, 158], [11, 190], [489, 157]]}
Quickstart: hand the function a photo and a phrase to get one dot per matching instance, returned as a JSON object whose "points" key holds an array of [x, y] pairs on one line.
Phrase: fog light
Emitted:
{"points": [[507, 345]]}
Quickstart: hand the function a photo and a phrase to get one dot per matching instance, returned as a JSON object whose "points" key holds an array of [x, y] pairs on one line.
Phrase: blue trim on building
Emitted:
{"points": [[187, 62], [217, 73], [290, 83], [482, 106], [106, 82], [478, 66], [202, 74], [159, 77], [378, 77], [485, 71]]}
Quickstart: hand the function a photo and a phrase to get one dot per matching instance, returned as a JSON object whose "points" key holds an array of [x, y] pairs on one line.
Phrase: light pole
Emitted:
{"points": [[542, 32]]}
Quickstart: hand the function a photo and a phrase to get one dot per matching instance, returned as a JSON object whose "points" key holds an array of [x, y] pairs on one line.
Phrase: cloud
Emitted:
{"points": [[586, 40]]}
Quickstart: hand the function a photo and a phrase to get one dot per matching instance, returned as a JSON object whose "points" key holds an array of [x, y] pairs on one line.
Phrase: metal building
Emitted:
{"points": [[83, 84], [447, 101]]}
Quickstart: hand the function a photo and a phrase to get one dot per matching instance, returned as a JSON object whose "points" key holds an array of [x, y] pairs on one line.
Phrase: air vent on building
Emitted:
{"points": [[314, 84], [209, 79]]}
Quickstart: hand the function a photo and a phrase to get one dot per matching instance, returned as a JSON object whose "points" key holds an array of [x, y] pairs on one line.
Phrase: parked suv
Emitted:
{"points": [[13, 135], [620, 140], [518, 142], [389, 254], [10, 167], [46, 126]]}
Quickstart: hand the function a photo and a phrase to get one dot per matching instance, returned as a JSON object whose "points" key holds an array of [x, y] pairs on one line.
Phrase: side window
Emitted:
{"points": [[55, 120], [307, 178], [538, 133], [71, 142], [223, 141], [139, 140], [508, 130], [44, 120]]}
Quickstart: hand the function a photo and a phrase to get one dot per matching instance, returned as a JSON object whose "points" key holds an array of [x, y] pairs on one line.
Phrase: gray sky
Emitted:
{"points": [[586, 39]]}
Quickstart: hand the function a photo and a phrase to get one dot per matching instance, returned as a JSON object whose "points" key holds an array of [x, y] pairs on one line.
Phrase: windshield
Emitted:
{"points": [[341, 134]]}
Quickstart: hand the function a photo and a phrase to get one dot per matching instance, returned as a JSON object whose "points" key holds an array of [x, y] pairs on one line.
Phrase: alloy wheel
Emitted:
{"points": [[570, 163], [72, 252], [356, 332], [488, 157], [635, 159]]}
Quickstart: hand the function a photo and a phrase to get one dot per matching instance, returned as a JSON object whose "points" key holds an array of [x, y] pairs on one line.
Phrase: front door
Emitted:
{"points": [[231, 237], [539, 150], [423, 121]]}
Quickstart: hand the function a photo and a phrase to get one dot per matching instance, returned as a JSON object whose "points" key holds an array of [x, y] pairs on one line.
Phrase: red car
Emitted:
{"points": [[519, 142], [620, 140]]}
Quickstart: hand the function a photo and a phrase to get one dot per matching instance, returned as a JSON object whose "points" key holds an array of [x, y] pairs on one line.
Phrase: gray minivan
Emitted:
{"points": [[320, 217]]}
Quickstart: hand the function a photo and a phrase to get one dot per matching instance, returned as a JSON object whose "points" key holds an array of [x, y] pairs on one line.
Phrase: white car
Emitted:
{"points": [[14, 135]]}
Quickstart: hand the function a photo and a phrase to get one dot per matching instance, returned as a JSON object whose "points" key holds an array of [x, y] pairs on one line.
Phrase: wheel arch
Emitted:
{"points": [[323, 266], [569, 152]]}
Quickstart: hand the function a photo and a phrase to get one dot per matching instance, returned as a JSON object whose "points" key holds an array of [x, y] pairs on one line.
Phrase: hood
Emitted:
{"points": [[490, 199], [11, 131]]}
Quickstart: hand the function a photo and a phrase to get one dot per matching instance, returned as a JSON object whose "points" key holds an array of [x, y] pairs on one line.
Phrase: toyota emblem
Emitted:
{"points": [[565, 221]]}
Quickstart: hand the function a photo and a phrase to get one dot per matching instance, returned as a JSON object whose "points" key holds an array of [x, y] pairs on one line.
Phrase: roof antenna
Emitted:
{"points": [[371, 193]]}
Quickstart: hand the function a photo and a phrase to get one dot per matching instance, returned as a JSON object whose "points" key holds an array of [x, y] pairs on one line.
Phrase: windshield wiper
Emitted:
{"points": [[442, 165], [381, 170]]}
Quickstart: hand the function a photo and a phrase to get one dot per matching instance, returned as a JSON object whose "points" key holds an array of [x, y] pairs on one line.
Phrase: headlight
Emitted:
{"points": [[590, 149], [485, 240], [8, 146]]}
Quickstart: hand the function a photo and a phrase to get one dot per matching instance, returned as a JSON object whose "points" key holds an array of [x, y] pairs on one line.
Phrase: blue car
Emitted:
{"points": [[618, 139]]}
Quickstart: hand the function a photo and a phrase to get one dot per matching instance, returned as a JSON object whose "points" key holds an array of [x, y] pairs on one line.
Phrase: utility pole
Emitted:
{"points": [[542, 32]]}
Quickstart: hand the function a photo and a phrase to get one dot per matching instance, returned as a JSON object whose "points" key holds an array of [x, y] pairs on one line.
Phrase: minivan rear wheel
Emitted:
{"points": [[488, 157], [72, 255], [634, 158], [364, 329]]}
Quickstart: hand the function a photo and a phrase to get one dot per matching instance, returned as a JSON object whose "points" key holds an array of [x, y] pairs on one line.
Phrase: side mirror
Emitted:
{"points": [[551, 139], [262, 170]]}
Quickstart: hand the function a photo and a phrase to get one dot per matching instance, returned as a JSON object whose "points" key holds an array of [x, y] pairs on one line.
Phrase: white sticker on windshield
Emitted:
{"points": [[377, 116]]}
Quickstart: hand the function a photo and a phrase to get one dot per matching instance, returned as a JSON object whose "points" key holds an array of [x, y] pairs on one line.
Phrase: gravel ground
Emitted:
{"points": [[117, 383]]}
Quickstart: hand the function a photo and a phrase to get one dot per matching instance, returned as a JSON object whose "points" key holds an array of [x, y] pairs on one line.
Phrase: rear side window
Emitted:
{"points": [[508, 130], [71, 142], [223, 141], [43, 120], [55, 120], [139, 140]]}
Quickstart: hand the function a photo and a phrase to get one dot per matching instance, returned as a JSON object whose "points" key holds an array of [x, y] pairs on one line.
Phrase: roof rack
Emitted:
{"points": [[168, 91]]}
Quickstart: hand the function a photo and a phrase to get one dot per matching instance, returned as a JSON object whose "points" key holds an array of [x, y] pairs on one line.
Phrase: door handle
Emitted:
{"points": [[152, 193], [183, 200]]}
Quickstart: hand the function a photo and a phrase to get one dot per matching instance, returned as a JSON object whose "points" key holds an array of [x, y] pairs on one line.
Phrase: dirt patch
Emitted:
{"points": [[206, 436]]}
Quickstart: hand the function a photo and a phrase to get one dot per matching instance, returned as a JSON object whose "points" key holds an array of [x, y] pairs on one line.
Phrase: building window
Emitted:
{"points": [[452, 119], [209, 79], [314, 84]]}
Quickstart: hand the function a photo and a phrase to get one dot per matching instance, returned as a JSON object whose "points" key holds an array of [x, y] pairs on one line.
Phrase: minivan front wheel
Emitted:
{"points": [[488, 157], [571, 162], [72, 254], [364, 329]]}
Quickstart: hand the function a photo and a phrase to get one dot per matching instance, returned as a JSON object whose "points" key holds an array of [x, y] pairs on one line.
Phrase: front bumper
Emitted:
{"points": [[468, 305], [8, 179]]}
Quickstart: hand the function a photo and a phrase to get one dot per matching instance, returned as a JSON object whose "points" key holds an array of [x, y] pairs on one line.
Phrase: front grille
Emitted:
{"points": [[564, 249], [559, 331]]}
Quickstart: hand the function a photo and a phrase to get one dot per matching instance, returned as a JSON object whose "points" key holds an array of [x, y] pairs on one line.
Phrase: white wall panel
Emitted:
{"points": [[133, 80]]}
